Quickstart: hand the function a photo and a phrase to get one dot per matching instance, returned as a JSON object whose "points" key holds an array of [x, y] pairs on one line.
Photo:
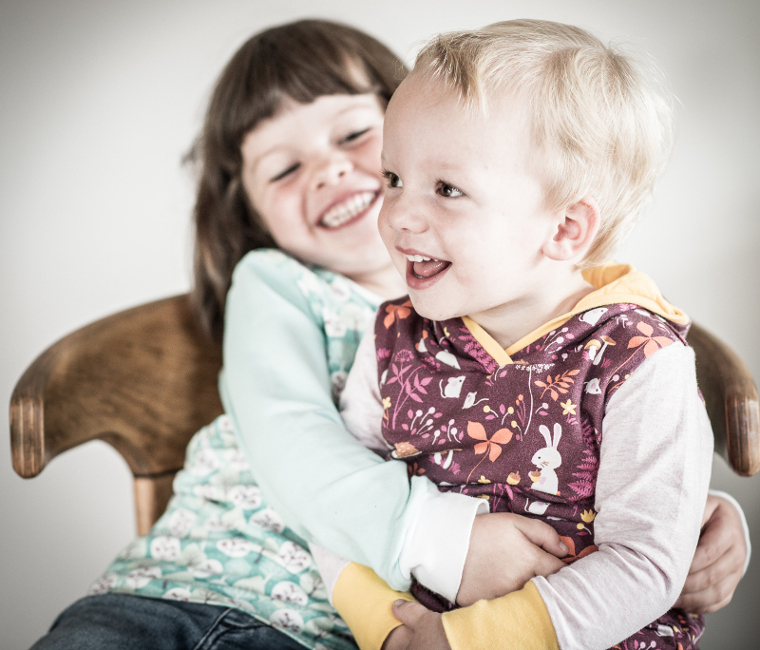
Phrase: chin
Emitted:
{"points": [[433, 312]]}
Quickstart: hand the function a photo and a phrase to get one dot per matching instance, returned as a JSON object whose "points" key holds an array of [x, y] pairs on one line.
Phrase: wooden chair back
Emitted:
{"points": [[145, 380]]}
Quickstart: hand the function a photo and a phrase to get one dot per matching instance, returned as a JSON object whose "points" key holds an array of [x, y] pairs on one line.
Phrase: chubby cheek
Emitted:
{"points": [[386, 234], [280, 213], [370, 156]]}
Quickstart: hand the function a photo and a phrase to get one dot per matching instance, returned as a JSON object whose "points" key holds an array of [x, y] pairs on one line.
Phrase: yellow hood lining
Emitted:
{"points": [[613, 284]]}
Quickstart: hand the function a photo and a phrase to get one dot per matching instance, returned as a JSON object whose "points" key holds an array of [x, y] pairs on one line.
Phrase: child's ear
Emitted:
{"points": [[575, 231]]}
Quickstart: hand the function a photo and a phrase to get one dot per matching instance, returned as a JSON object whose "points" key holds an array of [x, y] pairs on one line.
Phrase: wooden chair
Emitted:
{"points": [[145, 380]]}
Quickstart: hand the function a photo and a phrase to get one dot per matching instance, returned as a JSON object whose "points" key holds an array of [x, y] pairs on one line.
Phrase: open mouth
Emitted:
{"points": [[422, 271], [426, 267], [349, 210]]}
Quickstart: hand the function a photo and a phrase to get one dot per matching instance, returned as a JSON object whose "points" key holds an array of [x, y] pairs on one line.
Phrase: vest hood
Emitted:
{"points": [[613, 283]]}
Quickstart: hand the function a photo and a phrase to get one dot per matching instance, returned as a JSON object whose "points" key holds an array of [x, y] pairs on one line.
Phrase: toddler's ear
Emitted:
{"points": [[575, 231]]}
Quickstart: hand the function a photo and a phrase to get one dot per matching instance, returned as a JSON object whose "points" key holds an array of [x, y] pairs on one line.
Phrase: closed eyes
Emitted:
{"points": [[285, 173], [354, 136]]}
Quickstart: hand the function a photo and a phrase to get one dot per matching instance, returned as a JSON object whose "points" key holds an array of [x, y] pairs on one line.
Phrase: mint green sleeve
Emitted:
{"points": [[275, 386]]}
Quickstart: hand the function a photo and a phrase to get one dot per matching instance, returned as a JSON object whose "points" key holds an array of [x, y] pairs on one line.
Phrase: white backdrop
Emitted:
{"points": [[99, 101]]}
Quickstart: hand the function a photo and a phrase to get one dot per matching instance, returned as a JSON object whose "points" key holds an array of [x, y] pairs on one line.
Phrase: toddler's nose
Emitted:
{"points": [[403, 215]]}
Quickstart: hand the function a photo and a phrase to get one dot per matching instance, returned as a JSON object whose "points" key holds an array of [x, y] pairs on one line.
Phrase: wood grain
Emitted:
{"points": [[144, 380], [731, 399]]}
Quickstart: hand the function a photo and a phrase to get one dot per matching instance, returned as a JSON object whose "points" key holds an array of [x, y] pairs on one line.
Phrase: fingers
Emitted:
{"points": [[715, 571], [543, 535], [408, 612], [722, 534], [546, 564], [709, 600], [730, 564], [712, 588]]}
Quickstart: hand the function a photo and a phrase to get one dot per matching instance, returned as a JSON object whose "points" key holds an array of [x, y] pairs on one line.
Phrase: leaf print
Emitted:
{"points": [[651, 343], [396, 312], [501, 437], [419, 385], [476, 430], [571, 556], [481, 448], [558, 385]]}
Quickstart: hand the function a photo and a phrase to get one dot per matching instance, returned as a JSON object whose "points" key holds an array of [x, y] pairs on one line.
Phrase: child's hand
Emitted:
{"points": [[719, 561], [507, 550], [422, 628]]}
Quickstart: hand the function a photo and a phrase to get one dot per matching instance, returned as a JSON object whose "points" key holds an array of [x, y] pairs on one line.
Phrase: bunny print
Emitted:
{"points": [[547, 460]]}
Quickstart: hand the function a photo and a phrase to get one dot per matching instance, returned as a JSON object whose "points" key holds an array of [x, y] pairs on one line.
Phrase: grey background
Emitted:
{"points": [[99, 101]]}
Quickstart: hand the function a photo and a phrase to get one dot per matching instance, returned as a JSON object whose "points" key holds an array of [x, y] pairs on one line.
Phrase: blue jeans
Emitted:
{"points": [[124, 622]]}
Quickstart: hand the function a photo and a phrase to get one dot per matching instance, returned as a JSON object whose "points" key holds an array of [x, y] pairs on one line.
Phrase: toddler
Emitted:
{"points": [[521, 369]]}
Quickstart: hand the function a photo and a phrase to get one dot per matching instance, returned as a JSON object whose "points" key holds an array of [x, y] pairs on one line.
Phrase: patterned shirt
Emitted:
{"points": [[219, 541]]}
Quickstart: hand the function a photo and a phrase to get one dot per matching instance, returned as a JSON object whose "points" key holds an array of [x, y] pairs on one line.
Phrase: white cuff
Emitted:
{"points": [[329, 566], [745, 527], [436, 547]]}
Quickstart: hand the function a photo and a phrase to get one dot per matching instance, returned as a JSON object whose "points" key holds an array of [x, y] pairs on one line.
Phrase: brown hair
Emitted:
{"points": [[302, 60]]}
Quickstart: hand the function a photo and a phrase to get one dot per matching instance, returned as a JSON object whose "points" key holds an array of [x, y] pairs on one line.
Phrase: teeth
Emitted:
{"points": [[339, 214], [420, 258]]}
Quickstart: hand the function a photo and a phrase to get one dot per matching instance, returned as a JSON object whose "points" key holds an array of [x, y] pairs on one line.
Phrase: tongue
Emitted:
{"points": [[428, 269]]}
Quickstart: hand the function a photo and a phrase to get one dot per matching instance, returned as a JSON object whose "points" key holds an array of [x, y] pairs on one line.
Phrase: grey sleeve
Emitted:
{"points": [[656, 459]]}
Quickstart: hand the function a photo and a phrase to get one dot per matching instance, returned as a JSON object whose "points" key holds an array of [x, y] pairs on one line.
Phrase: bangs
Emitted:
{"points": [[301, 61]]}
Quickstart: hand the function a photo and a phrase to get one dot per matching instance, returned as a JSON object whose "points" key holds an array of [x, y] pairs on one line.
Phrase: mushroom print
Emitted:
{"points": [[591, 348], [607, 341]]}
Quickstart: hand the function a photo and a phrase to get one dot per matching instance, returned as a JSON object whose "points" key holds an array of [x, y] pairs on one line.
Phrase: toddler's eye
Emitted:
{"points": [[449, 191], [392, 179], [353, 136], [284, 173]]}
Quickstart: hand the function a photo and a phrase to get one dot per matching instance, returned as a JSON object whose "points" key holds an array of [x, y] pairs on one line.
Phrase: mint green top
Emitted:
{"points": [[290, 338]]}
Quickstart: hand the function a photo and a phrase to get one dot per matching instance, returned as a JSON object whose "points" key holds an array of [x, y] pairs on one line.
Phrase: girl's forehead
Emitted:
{"points": [[324, 111]]}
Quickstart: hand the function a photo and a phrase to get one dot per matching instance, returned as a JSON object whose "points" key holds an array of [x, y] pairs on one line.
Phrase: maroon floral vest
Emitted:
{"points": [[524, 436]]}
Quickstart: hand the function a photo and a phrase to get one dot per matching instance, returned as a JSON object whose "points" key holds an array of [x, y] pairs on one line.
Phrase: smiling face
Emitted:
{"points": [[464, 218], [312, 172]]}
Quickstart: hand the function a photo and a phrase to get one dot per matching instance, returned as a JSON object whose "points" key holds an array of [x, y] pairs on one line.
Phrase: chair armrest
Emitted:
{"points": [[731, 399], [144, 380]]}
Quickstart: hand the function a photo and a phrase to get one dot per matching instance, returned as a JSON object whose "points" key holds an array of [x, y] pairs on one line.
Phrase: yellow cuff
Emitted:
{"points": [[518, 621], [364, 601]]}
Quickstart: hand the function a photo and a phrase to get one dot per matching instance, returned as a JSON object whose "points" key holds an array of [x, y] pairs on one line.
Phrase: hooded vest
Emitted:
{"points": [[524, 435]]}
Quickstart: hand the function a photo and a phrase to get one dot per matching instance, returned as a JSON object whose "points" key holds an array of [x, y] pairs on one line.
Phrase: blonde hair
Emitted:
{"points": [[601, 123]]}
